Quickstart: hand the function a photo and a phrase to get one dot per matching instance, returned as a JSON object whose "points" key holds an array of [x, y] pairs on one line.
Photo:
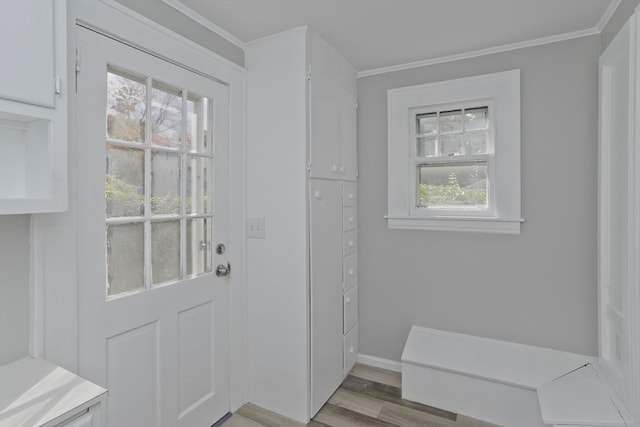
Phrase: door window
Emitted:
{"points": [[159, 182]]}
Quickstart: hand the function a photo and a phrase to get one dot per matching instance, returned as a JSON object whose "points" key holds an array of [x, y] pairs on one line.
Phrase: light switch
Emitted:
{"points": [[255, 228]]}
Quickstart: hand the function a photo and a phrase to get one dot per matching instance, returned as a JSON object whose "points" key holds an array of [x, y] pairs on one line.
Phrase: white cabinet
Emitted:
{"points": [[34, 392], [27, 46], [301, 152], [332, 153], [33, 106]]}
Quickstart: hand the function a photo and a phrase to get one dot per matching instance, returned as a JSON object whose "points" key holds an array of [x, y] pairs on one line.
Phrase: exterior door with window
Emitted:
{"points": [[153, 318]]}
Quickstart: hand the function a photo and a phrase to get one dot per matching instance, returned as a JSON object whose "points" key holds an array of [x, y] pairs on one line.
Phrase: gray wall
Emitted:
{"points": [[536, 288], [618, 19], [14, 287], [169, 18]]}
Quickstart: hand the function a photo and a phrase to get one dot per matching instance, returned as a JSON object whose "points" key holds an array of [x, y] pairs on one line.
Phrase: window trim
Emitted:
{"points": [[501, 92]]}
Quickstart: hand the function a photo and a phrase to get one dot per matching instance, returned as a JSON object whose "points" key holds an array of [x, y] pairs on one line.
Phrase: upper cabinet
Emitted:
{"points": [[33, 106], [27, 46], [332, 111]]}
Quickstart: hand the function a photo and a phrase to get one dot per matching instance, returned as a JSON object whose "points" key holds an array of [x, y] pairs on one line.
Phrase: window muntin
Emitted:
{"points": [[452, 153], [158, 183]]}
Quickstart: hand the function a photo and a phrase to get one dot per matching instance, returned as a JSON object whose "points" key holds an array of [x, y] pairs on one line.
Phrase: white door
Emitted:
{"points": [[153, 316]]}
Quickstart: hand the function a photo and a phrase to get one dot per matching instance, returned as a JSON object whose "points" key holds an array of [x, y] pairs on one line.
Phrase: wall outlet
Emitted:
{"points": [[255, 228]]}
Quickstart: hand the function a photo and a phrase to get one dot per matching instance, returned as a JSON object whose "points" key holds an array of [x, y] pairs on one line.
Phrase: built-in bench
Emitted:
{"points": [[509, 384]]}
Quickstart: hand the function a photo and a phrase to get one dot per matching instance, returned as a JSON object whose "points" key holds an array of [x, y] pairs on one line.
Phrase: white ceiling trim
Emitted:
{"points": [[481, 52], [195, 16], [604, 20]]}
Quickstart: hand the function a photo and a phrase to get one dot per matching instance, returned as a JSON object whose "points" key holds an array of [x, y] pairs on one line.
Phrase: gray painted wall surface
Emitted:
{"points": [[14, 287], [536, 288], [618, 19], [169, 18]]}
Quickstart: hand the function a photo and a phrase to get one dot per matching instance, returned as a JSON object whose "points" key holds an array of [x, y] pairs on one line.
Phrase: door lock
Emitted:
{"points": [[223, 270]]}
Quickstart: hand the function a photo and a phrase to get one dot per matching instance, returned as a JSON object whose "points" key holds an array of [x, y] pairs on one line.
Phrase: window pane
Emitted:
{"points": [[166, 116], [199, 113], [125, 106], [451, 145], [165, 183], [476, 118], [124, 184], [198, 246], [199, 177], [165, 251], [476, 143], [427, 146], [427, 123], [460, 186], [451, 121], [125, 258]]}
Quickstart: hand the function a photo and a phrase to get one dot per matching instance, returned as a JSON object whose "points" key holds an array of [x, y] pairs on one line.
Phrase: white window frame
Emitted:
{"points": [[501, 93]]}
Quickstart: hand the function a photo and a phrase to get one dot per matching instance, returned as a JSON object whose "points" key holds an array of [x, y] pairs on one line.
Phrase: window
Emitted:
{"points": [[454, 155], [158, 182]]}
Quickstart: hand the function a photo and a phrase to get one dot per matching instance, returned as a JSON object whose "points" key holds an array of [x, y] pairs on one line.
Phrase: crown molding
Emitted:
{"points": [[606, 17], [195, 16], [480, 52]]}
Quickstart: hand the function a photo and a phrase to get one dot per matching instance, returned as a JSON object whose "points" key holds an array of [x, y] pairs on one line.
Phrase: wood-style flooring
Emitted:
{"points": [[368, 397]]}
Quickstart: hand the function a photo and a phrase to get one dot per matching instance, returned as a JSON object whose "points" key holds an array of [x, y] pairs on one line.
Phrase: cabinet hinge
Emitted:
{"points": [[309, 168], [357, 105], [308, 72]]}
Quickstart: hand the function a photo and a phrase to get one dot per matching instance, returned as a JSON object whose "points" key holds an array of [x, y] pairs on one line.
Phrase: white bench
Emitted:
{"points": [[500, 382]]}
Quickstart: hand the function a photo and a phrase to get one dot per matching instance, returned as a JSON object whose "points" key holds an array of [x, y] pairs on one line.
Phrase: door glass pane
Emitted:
{"points": [[126, 96], [124, 185], [198, 246], [199, 177], [166, 116], [165, 251], [199, 114], [459, 186], [165, 183], [125, 258]]}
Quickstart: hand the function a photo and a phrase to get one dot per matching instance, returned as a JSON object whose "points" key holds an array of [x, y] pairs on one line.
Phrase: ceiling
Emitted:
{"points": [[373, 34]]}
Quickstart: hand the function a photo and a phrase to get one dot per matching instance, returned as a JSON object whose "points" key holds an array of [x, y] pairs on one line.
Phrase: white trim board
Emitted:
{"points": [[379, 362]]}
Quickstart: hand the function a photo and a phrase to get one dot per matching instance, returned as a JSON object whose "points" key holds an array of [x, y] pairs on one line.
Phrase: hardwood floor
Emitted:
{"points": [[368, 397]]}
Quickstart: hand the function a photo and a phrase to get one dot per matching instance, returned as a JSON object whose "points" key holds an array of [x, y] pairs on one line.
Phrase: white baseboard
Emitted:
{"points": [[379, 362]]}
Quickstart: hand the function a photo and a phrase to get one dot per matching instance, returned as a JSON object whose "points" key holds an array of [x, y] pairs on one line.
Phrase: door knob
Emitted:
{"points": [[223, 270]]}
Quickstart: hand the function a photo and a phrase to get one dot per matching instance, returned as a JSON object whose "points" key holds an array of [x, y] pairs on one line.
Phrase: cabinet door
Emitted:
{"points": [[324, 117], [85, 420], [27, 46], [326, 290], [348, 135]]}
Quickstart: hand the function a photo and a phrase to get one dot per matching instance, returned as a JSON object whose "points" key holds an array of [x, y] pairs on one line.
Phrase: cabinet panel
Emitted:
{"points": [[349, 218], [350, 350], [349, 242], [349, 194], [350, 309], [325, 216], [27, 46], [350, 271], [85, 420], [348, 135]]}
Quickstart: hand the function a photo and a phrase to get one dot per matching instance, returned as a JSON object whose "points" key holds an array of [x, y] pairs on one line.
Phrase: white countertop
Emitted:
{"points": [[34, 392]]}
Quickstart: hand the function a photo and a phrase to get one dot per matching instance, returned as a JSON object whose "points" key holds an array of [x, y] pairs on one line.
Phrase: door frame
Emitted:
{"points": [[54, 318]]}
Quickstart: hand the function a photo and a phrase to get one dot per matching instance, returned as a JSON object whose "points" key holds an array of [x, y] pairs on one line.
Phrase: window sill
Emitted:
{"points": [[468, 224]]}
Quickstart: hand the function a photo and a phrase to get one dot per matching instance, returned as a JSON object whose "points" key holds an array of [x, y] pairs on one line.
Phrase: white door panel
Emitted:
{"points": [[158, 338]]}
